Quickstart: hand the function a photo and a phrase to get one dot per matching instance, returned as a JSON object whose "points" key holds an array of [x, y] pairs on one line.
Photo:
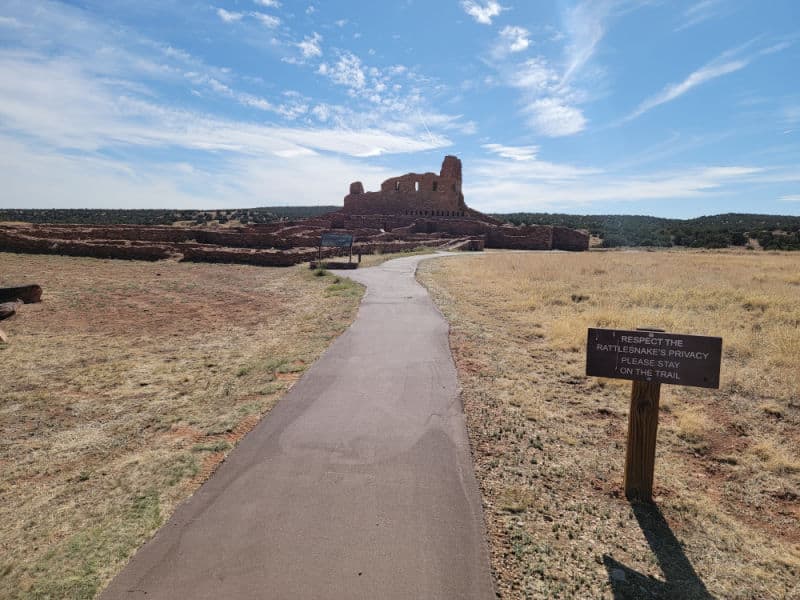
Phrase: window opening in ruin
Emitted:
{"points": [[454, 187], [416, 186], [396, 186], [435, 185]]}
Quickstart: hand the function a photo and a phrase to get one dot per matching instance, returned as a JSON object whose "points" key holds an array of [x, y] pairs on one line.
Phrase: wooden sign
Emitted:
{"points": [[654, 356], [649, 358]]}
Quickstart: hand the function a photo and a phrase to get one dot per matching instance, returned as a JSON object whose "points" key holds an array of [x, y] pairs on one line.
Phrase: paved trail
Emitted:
{"points": [[358, 485]]}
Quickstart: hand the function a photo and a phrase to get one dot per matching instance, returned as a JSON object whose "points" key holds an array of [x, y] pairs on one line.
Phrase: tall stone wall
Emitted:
{"points": [[416, 194]]}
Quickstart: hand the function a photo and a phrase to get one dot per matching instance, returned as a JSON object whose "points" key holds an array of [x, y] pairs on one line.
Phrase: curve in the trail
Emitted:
{"points": [[359, 484]]}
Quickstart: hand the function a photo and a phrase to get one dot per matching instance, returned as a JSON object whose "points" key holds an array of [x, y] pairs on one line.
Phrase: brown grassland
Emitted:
{"points": [[124, 389], [549, 443]]}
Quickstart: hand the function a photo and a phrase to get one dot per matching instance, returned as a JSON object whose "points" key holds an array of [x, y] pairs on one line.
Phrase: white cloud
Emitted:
{"points": [[541, 186], [267, 20], [548, 105], [482, 12], [512, 39], [585, 27], [534, 75], [311, 10], [310, 47], [706, 73], [555, 118], [347, 70], [89, 116], [700, 12], [551, 89], [520, 153], [268, 3], [30, 176], [218, 87], [790, 198], [10, 22], [229, 17]]}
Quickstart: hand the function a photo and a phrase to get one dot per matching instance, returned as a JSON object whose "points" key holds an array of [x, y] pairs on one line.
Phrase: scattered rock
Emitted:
{"points": [[9, 309], [29, 294]]}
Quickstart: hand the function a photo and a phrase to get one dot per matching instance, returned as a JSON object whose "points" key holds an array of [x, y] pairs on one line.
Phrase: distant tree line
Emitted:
{"points": [[91, 216], [772, 232]]}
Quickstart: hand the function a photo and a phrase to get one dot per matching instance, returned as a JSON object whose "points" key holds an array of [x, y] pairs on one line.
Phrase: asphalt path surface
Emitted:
{"points": [[358, 484]]}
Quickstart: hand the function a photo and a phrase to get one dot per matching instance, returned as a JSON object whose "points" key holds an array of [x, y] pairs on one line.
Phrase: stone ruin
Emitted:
{"points": [[409, 211], [426, 195]]}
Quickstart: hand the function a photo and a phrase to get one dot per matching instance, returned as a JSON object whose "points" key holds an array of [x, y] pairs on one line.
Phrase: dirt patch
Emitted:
{"points": [[549, 443], [123, 391]]}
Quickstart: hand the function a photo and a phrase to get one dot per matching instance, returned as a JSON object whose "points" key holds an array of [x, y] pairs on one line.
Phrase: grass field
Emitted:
{"points": [[549, 443], [124, 389]]}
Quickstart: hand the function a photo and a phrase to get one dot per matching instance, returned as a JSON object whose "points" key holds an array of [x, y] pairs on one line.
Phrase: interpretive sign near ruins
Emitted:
{"points": [[336, 240], [654, 356]]}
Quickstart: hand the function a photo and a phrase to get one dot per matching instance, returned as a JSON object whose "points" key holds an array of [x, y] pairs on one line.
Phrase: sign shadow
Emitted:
{"points": [[681, 579]]}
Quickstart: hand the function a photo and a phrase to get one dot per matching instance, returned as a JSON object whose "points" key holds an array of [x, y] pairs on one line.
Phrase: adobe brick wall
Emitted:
{"points": [[570, 239], [520, 238], [14, 242]]}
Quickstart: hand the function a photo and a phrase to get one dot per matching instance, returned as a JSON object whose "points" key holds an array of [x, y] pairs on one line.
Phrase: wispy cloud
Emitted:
{"points": [[519, 153], [269, 21], [728, 62], [511, 39], [347, 70], [10, 22], [542, 186], [482, 12], [268, 3], [585, 26], [553, 89], [790, 198], [549, 106], [555, 117], [700, 12], [676, 90], [310, 46], [228, 16]]}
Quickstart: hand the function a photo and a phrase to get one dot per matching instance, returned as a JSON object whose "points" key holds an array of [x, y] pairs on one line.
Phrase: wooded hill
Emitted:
{"points": [[772, 232], [90, 216]]}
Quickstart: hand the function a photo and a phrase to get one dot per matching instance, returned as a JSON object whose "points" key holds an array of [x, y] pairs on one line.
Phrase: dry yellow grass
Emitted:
{"points": [[123, 390], [727, 479]]}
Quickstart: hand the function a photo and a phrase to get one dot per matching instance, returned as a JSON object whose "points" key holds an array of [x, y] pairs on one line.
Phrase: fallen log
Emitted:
{"points": [[9, 309], [29, 294]]}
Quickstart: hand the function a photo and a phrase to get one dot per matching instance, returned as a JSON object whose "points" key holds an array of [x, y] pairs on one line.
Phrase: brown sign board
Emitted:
{"points": [[654, 356]]}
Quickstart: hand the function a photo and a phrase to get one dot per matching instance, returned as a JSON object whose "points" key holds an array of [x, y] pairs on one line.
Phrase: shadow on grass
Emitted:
{"points": [[681, 580]]}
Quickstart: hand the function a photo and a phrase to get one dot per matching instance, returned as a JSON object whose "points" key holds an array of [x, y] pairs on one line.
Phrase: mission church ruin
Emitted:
{"points": [[430, 203], [425, 195]]}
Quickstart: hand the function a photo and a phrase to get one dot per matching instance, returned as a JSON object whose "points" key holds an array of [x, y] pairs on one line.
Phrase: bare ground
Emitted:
{"points": [[123, 390], [549, 443]]}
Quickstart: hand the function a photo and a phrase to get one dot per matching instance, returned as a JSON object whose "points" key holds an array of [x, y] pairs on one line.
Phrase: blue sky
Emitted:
{"points": [[666, 108]]}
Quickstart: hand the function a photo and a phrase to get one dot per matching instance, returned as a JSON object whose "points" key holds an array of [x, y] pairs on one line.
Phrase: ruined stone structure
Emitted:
{"points": [[431, 203], [409, 211], [426, 195]]}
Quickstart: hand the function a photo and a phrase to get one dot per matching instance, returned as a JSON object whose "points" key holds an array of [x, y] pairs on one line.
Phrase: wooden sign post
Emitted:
{"points": [[649, 358]]}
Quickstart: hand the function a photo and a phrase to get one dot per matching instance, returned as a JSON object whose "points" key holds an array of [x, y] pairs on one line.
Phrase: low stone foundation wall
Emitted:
{"points": [[285, 243]]}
